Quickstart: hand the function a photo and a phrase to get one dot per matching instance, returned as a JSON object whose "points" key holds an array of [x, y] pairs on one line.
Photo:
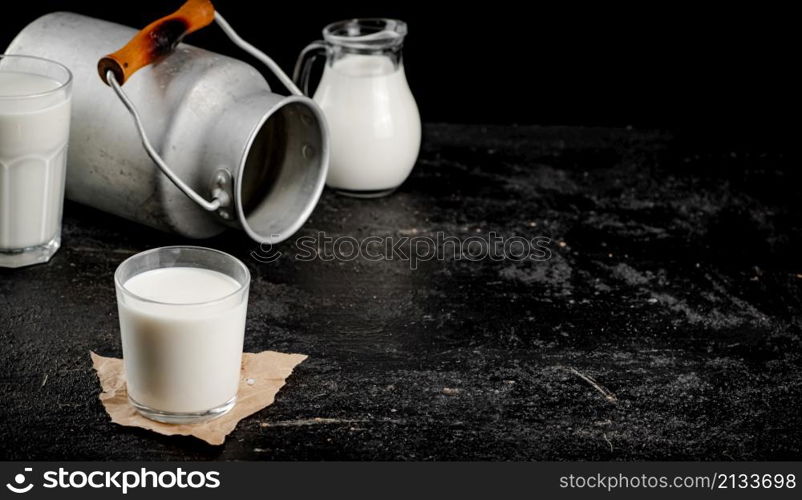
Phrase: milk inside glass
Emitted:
{"points": [[373, 121], [34, 131], [182, 336]]}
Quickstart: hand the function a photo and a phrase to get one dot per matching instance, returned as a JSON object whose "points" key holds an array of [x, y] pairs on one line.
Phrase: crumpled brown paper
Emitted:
{"points": [[263, 374]]}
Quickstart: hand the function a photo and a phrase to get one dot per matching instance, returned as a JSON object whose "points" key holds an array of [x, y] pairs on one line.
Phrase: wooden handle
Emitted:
{"points": [[156, 40]]}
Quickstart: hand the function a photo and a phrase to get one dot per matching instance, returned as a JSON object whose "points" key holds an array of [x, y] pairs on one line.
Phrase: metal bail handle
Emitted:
{"points": [[157, 40]]}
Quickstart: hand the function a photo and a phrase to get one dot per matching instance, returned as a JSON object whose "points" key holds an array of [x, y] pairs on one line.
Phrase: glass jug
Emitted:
{"points": [[373, 119]]}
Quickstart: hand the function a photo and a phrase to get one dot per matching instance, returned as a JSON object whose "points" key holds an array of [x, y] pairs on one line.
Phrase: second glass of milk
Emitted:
{"points": [[182, 321], [34, 131]]}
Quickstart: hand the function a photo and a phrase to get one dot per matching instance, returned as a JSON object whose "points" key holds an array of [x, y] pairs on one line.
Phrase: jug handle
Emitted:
{"points": [[159, 39], [303, 66]]}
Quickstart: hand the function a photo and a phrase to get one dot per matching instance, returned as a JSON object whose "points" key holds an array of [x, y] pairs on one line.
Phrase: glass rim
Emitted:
{"points": [[242, 286], [62, 85], [389, 32]]}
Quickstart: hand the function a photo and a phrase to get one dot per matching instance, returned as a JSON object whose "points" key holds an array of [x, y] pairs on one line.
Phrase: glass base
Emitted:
{"points": [[169, 417], [377, 193], [21, 257]]}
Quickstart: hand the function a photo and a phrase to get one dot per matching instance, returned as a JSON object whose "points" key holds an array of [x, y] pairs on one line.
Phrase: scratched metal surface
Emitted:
{"points": [[666, 324]]}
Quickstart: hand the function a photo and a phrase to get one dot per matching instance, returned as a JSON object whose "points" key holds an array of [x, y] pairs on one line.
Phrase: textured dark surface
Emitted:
{"points": [[674, 283]]}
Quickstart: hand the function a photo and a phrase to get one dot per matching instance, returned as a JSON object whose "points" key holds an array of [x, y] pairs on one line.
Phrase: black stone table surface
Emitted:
{"points": [[664, 325]]}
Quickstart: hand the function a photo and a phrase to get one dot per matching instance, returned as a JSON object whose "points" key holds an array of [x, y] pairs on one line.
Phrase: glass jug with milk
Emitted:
{"points": [[373, 119]]}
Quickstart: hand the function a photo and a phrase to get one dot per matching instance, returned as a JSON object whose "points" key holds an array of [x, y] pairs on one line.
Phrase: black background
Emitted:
{"points": [[676, 284], [724, 71]]}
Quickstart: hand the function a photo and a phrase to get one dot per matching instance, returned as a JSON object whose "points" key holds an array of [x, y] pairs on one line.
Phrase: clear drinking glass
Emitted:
{"points": [[34, 131], [374, 123], [182, 322]]}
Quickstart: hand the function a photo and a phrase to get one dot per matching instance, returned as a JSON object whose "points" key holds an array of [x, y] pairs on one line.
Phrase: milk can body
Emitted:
{"points": [[209, 116]]}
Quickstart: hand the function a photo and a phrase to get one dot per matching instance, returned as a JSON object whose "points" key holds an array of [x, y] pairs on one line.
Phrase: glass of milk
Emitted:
{"points": [[373, 119], [182, 321], [34, 131]]}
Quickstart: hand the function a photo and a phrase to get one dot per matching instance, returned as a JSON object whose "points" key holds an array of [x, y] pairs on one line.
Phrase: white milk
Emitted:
{"points": [[373, 120], [182, 358], [33, 151]]}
